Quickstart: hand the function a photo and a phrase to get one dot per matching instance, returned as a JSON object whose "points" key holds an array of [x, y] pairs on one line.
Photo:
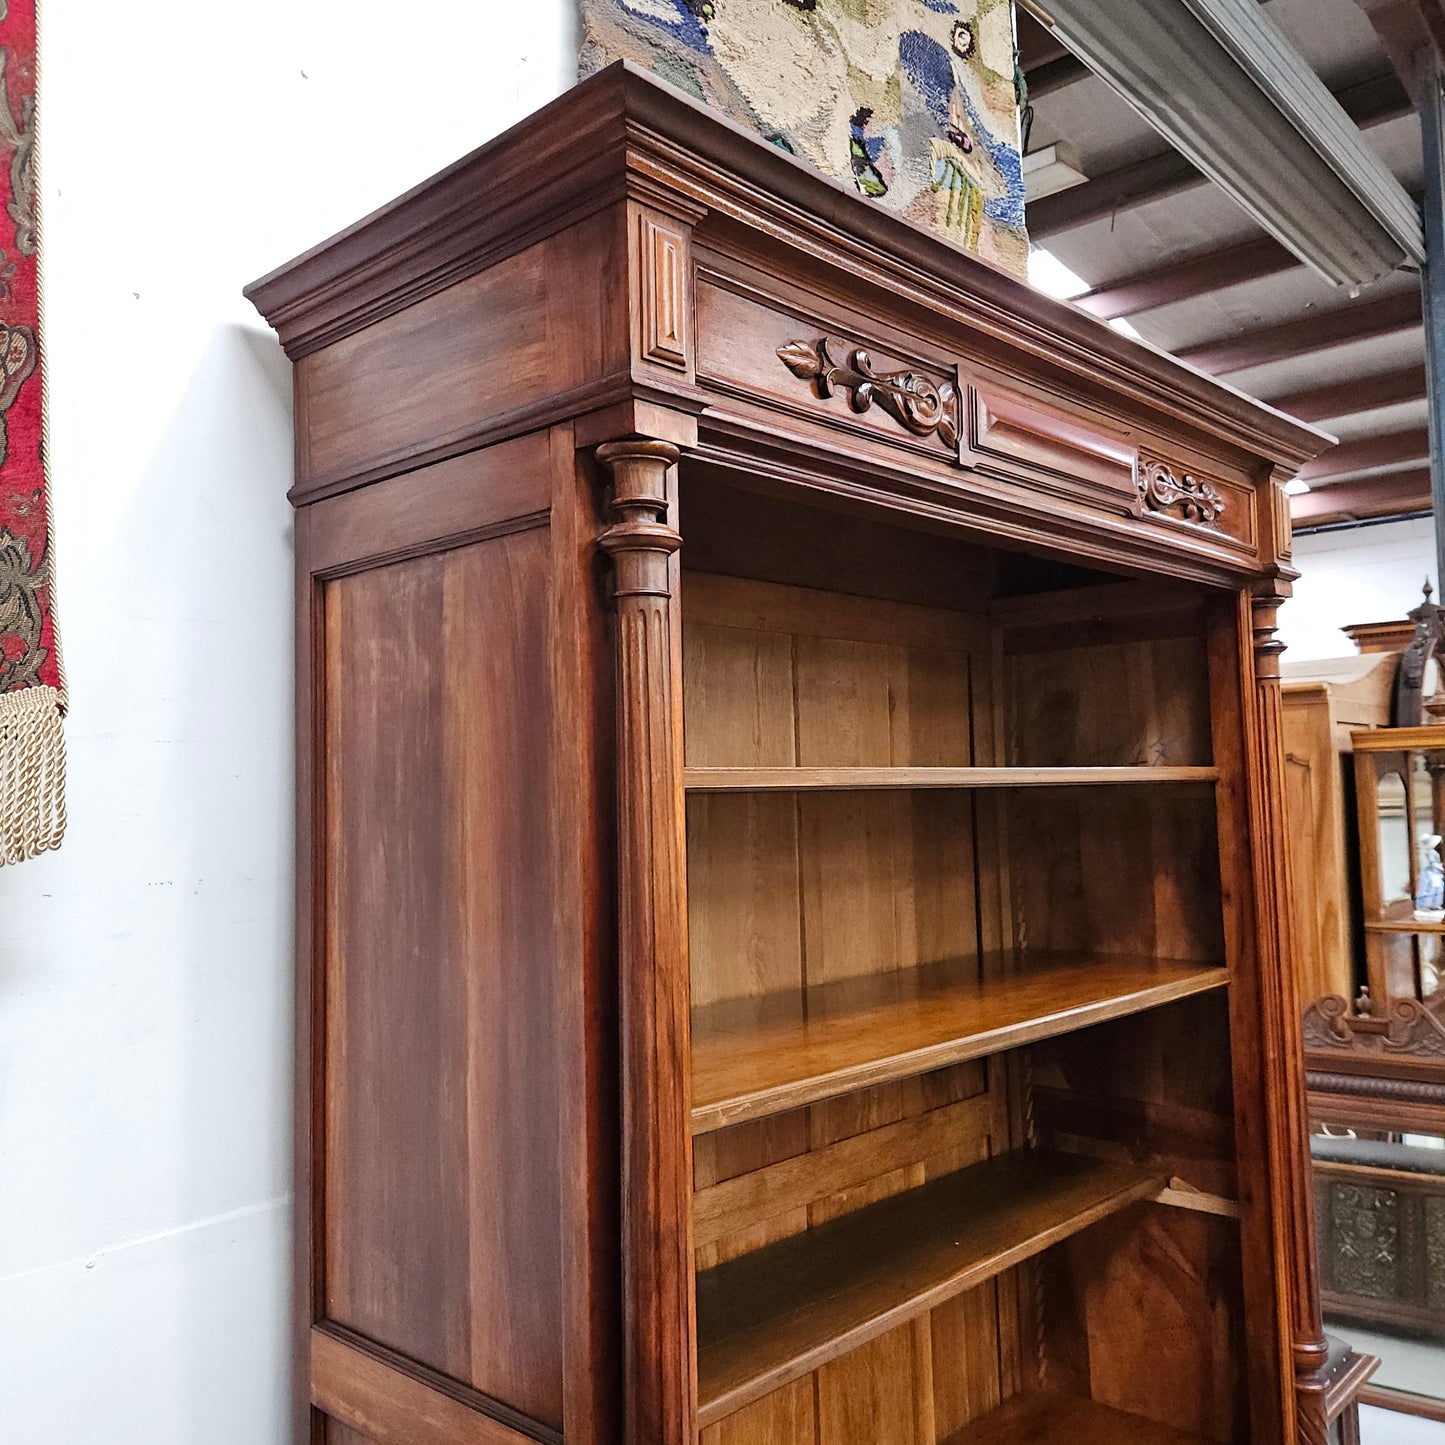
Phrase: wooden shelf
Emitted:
{"points": [[755, 1057], [754, 780], [1052, 1419], [1402, 925], [777, 1314]]}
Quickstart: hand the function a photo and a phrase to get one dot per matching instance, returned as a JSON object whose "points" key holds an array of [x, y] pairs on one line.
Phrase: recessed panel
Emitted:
{"points": [[442, 1228]]}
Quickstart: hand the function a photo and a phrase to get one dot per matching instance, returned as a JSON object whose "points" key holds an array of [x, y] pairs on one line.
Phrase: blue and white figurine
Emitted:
{"points": [[1430, 889]]}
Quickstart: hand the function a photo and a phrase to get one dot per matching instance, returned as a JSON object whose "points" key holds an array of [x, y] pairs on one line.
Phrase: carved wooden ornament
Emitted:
{"points": [[1184, 496], [1409, 1030], [919, 405]]}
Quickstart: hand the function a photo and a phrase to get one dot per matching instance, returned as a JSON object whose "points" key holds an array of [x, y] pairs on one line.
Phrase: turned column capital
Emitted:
{"points": [[1265, 601], [639, 541]]}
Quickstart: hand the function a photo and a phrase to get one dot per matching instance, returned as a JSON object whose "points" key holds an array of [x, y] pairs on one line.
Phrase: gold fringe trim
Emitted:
{"points": [[32, 773]]}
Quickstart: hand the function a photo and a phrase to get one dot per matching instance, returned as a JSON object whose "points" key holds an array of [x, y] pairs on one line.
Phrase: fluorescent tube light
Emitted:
{"points": [[1220, 81], [1049, 275], [1051, 169]]}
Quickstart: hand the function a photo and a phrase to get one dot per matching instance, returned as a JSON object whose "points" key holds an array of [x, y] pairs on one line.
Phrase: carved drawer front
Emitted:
{"points": [[1015, 433], [1021, 437], [968, 425], [823, 371]]}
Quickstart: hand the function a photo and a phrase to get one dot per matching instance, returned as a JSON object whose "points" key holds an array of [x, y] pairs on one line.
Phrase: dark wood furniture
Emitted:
{"points": [[1381, 1214], [793, 940]]}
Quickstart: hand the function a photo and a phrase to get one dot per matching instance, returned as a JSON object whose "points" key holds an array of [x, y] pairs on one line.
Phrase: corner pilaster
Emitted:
{"points": [[660, 1371]]}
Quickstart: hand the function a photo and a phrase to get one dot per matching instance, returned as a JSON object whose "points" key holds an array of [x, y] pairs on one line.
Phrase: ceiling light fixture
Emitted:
{"points": [[1049, 275], [1051, 169]]}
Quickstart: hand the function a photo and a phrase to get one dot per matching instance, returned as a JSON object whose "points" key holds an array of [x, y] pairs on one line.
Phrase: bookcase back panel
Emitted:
{"points": [[1155, 1087], [915, 1385], [1116, 870], [777, 676], [788, 890], [1143, 1313], [440, 1155], [768, 1179], [1114, 691]]}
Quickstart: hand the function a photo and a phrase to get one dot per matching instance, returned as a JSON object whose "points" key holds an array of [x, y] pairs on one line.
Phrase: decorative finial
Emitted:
{"points": [[1428, 590], [1363, 1003]]}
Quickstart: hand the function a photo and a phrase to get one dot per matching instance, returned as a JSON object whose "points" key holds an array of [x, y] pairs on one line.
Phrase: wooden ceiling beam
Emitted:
{"points": [[1364, 455], [1201, 274], [1369, 102], [1350, 398], [1056, 74], [1406, 28], [1037, 44], [1321, 331], [1197, 275], [1375, 497]]}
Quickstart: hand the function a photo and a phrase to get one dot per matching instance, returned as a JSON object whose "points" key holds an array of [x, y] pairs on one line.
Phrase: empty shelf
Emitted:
{"points": [[751, 780], [755, 1057], [1402, 925], [1051, 1419], [777, 1314]]}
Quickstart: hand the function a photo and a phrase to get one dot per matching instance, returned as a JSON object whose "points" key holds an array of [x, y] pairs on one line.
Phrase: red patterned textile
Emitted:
{"points": [[32, 683]]}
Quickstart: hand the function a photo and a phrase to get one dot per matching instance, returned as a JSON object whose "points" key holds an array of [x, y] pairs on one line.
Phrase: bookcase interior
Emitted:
{"points": [[963, 1145]]}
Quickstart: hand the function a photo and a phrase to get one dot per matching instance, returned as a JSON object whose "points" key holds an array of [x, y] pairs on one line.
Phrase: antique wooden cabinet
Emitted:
{"points": [[793, 937], [1324, 702], [1400, 808]]}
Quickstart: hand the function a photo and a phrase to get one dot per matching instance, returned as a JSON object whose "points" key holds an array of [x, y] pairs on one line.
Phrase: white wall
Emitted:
{"points": [[1389, 1427], [1367, 574], [145, 969]]}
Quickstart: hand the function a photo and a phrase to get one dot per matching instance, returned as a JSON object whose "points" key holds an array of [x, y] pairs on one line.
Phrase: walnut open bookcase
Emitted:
{"points": [[792, 931]]}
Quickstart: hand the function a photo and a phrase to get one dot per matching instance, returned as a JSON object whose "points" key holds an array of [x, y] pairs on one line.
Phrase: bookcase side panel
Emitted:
{"points": [[434, 1016]]}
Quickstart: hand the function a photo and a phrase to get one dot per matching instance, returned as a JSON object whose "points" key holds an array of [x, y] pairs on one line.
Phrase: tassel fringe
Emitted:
{"points": [[32, 773]]}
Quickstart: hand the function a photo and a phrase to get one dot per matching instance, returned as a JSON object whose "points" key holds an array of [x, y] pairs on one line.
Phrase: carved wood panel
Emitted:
{"points": [[1382, 1242], [665, 283], [922, 406]]}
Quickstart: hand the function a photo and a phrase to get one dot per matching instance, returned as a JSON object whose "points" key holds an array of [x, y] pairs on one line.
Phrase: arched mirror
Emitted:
{"points": [[1392, 825]]}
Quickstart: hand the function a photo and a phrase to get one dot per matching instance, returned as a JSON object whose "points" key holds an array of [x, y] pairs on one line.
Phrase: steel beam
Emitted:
{"points": [[1369, 102], [1359, 321], [1358, 394]]}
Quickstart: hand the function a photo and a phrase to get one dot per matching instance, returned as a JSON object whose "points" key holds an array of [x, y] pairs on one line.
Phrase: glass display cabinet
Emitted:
{"points": [[1400, 793]]}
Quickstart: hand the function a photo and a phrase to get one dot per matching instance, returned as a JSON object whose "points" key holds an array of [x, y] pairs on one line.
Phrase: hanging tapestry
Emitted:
{"points": [[32, 684], [912, 102]]}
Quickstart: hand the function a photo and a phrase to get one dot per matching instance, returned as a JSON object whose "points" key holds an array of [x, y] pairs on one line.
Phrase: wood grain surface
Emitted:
{"points": [[1067, 1420], [754, 1057], [780, 1312]]}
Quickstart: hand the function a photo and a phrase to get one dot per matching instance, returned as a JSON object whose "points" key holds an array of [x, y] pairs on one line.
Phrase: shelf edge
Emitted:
{"points": [[1140, 1188], [864, 779], [709, 1117]]}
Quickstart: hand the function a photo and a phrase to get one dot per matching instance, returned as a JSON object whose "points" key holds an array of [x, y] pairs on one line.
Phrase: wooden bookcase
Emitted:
{"points": [[793, 943]]}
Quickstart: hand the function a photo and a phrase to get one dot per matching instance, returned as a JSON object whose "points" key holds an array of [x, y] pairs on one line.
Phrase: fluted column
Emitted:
{"points": [[660, 1376], [1291, 1183]]}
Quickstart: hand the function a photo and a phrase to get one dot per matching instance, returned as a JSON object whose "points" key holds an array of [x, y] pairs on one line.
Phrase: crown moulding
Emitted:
{"points": [[623, 134]]}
